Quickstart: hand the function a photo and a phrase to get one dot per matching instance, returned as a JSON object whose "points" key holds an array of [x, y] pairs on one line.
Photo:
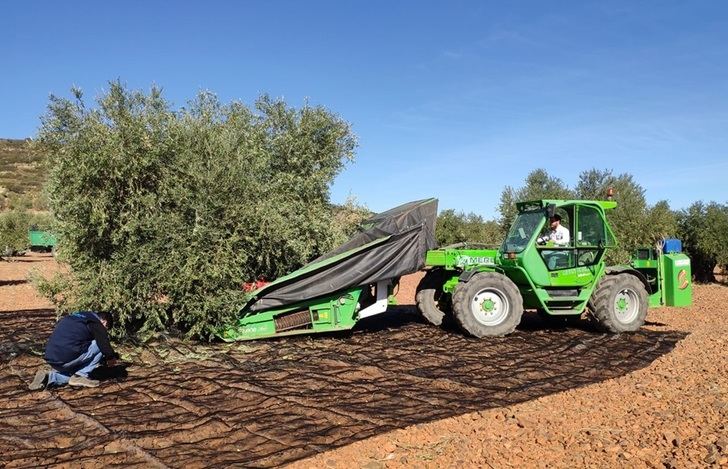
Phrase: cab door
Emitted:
{"points": [[560, 260], [576, 264], [591, 239]]}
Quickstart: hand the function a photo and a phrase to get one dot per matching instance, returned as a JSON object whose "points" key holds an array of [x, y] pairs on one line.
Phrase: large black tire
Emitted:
{"points": [[489, 304], [620, 303], [432, 302]]}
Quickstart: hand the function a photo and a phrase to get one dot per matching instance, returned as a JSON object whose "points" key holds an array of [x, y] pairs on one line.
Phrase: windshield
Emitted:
{"points": [[522, 230]]}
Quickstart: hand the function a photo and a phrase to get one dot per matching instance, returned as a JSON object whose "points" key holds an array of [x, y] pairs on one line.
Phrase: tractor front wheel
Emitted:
{"points": [[432, 302], [620, 303], [489, 304]]}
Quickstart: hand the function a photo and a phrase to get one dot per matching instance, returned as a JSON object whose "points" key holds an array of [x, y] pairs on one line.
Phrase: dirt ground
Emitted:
{"points": [[393, 393]]}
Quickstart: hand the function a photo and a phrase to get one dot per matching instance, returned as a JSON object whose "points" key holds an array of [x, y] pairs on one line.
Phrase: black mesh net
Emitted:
{"points": [[263, 404]]}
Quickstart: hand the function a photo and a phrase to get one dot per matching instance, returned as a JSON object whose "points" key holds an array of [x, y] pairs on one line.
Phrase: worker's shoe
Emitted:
{"points": [[40, 380], [82, 381]]}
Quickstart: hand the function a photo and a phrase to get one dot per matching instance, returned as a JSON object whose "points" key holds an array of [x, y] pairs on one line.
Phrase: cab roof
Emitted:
{"points": [[543, 203]]}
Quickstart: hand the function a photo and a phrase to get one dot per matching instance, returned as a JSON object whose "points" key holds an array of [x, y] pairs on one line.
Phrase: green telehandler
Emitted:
{"points": [[485, 291]]}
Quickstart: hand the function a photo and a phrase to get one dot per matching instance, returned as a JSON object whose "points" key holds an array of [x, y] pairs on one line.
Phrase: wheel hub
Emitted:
{"points": [[489, 307], [626, 305]]}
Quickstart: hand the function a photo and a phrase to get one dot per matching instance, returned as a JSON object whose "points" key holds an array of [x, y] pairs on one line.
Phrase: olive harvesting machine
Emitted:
{"points": [[484, 291]]}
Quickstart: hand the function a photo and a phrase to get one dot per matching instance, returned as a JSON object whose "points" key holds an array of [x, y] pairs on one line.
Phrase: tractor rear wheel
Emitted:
{"points": [[433, 303], [620, 303], [489, 304]]}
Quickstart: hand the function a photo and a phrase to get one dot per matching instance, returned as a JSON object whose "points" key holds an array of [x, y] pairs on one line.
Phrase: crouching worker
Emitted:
{"points": [[76, 347]]}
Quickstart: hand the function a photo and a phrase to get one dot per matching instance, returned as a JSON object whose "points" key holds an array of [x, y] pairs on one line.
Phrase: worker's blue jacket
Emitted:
{"points": [[73, 335]]}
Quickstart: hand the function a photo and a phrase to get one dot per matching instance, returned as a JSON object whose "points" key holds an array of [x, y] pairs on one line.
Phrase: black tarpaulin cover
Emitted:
{"points": [[388, 245]]}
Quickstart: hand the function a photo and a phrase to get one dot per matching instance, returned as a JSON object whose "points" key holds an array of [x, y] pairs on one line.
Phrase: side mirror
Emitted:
{"points": [[550, 210]]}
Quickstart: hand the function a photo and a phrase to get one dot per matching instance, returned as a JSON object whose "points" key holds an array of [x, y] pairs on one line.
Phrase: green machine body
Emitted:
{"points": [[677, 279]]}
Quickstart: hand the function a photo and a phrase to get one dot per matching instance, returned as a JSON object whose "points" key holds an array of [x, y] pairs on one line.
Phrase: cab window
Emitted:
{"points": [[591, 228], [591, 236], [560, 257], [522, 230]]}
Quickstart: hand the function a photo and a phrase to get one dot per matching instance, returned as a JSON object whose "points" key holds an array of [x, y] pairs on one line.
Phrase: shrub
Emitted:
{"points": [[346, 219], [163, 214], [13, 232], [704, 231], [14, 225], [539, 184], [457, 227]]}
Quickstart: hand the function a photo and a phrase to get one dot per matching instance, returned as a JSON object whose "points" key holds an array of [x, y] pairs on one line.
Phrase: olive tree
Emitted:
{"points": [[634, 222], [703, 228], [456, 227], [163, 213], [539, 184]]}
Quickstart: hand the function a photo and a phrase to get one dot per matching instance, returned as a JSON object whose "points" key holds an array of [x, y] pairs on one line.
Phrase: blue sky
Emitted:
{"points": [[448, 99]]}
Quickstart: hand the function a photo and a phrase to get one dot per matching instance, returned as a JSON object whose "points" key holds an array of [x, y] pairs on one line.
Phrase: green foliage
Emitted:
{"points": [[661, 220], [162, 214], [703, 229], [538, 185], [453, 228], [55, 289], [634, 222], [630, 220], [13, 232], [14, 227], [347, 218]]}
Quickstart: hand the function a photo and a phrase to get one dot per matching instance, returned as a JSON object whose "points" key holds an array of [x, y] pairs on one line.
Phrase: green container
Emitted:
{"points": [[678, 280], [41, 239]]}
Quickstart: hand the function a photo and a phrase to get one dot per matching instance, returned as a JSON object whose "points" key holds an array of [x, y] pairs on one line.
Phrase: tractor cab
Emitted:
{"points": [[553, 263]]}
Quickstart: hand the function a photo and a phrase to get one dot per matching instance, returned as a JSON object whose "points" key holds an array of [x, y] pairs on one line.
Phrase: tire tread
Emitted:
{"points": [[425, 297], [602, 302]]}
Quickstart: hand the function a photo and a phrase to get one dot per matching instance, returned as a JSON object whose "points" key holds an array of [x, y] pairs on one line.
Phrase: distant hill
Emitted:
{"points": [[21, 170]]}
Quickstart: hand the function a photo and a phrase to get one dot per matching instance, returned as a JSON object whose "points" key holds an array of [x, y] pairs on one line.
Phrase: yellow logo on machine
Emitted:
{"points": [[682, 279]]}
